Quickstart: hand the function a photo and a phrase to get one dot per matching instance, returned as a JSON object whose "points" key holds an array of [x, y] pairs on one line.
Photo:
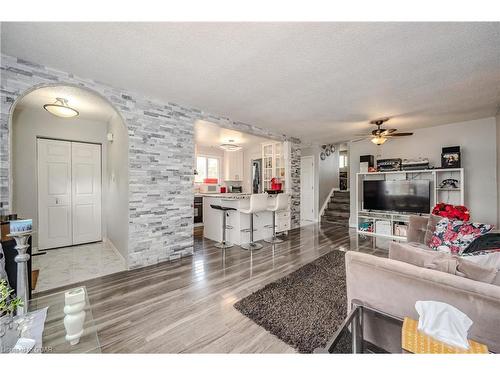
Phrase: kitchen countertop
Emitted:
{"points": [[237, 222], [222, 195]]}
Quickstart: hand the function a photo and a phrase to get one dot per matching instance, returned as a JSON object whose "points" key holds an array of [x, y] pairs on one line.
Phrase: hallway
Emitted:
{"points": [[74, 264]]}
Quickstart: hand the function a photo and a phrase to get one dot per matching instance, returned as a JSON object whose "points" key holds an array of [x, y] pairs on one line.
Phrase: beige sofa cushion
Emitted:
{"points": [[411, 254], [442, 262], [431, 227]]}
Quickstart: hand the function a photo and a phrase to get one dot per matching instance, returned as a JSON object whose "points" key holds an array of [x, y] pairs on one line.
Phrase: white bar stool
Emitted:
{"points": [[279, 203], [223, 244], [258, 203]]}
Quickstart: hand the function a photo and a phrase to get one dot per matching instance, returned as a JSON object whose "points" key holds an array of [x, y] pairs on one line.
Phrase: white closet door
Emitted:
{"points": [[86, 176], [307, 188], [54, 193]]}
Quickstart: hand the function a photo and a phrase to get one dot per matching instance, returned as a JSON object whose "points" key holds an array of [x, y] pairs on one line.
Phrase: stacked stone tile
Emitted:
{"points": [[161, 151]]}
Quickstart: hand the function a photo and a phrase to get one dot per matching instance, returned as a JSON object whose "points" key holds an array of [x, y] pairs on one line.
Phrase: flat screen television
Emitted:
{"points": [[399, 195]]}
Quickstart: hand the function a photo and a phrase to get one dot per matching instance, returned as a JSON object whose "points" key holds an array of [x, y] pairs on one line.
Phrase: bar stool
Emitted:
{"points": [[223, 244], [258, 203], [280, 203]]}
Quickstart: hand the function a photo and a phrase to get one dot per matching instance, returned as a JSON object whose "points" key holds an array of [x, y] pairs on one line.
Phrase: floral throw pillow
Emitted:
{"points": [[453, 236]]}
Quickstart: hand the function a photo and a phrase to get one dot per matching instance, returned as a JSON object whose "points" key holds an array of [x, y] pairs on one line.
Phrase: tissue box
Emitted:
{"points": [[414, 341]]}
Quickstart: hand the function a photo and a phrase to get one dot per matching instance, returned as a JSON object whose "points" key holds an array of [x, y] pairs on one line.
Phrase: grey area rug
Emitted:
{"points": [[305, 308]]}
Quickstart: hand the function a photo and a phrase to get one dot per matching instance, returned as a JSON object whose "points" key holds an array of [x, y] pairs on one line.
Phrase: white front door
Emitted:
{"points": [[86, 197], [54, 194], [307, 188], [69, 193]]}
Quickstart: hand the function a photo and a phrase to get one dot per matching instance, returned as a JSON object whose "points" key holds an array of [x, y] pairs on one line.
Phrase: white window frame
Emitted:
{"points": [[343, 161], [219, 165]]}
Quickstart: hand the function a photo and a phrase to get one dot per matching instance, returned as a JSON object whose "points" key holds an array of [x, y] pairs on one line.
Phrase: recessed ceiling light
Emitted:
{"points": [[61, 108], [230, 146]]}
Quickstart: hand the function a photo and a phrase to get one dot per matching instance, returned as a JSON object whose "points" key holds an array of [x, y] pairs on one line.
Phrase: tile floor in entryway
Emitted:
{"points": [[69, 265]]}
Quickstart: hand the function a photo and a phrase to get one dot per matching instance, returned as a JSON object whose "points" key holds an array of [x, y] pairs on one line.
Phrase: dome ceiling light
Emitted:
{"points": [[230, 146], [379, 140], [60, 108]]}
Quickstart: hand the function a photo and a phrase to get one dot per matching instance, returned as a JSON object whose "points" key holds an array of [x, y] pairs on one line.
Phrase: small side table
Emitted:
{"points": [[349, 338]]}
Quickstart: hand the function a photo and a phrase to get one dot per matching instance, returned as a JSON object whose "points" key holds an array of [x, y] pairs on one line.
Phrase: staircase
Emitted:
{"points": [[338, 209]]}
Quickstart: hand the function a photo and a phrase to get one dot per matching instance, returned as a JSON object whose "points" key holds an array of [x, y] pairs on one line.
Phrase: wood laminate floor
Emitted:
{"points": [[187, 305]]}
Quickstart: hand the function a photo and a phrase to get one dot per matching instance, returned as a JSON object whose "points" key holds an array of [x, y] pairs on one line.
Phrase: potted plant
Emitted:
{"points": [[8, 305]]}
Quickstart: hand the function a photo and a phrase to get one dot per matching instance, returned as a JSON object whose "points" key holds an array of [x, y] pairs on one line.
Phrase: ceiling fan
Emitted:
{"points": [[379, 136]]}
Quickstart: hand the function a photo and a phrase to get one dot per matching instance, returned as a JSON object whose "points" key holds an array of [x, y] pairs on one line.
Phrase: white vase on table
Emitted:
{"points": [[75, 314]]}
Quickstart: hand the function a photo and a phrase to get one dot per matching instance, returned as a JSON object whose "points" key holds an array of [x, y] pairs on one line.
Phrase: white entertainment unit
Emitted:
{"points": [[392, 224]]}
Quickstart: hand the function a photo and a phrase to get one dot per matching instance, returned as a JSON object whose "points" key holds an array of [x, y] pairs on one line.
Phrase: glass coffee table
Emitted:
{"points": [[349, 338], [53, 337]]}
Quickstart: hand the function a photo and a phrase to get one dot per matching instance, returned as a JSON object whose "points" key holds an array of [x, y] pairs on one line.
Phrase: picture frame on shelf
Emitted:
{"points": [[450, 157]]}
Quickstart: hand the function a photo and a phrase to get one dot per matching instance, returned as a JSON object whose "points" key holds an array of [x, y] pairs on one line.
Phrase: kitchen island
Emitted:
{"points": [[238, 224]]}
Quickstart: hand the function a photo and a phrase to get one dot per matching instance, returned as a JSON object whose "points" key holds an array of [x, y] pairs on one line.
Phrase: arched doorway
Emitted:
{"points": [[70, 175]]}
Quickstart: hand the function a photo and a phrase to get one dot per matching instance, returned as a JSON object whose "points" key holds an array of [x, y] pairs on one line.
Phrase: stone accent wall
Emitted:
{"points": [[295, 182], [161, 151]]}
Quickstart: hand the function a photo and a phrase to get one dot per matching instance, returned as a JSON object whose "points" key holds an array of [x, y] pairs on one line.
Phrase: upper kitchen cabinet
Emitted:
{"points": [[233, 165], [273, 163]]}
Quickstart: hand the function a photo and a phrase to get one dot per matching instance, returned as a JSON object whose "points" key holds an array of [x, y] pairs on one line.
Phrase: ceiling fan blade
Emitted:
{"points": [[398, 135], [388, 131], [359, 139]]}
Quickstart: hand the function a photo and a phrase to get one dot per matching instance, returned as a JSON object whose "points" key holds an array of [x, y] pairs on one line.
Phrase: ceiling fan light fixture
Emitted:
{"points": [[378, 140], [230, 146], [60, 108]]}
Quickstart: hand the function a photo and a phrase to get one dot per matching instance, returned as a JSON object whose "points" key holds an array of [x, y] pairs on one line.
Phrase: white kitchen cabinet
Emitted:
{"points": [[283, 221], [274, 163], [233, 165]]}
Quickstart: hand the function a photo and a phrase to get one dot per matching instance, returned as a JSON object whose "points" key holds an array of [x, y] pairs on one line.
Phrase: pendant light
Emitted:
{"points": [[61, 108]]}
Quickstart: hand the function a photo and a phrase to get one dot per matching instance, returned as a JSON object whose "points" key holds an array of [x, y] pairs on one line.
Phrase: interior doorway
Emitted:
{"points": [[70, 176], [343, 167]]}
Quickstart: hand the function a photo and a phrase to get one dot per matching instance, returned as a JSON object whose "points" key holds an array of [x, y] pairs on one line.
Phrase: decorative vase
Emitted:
{"points": [[9, 333], [75, 314]]}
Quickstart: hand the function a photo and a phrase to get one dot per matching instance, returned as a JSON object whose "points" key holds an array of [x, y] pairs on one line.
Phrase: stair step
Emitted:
{"points": [[339, 200], [344, 223], [343, 194], [336, 214], [334, 206]]}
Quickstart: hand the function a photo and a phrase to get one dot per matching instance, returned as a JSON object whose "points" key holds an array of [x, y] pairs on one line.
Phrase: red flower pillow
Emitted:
{"points": [[454, 236]]}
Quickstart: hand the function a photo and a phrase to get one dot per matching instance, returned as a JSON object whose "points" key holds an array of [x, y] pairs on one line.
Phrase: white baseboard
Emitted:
{"points": [[305, 223], [108, 242]]}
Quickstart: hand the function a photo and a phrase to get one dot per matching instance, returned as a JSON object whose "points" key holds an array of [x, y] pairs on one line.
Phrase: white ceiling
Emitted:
{"points": [[321, 82], [208, 134], [89, 105]]}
